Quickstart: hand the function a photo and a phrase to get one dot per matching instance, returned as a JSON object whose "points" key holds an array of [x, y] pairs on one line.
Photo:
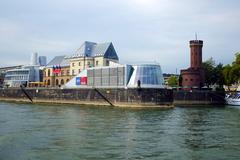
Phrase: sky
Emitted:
{"points": [[140, 30]]}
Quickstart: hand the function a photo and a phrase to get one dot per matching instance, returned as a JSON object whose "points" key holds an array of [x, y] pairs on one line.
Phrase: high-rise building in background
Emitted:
{"points": [[42, 60], [34, 59]]}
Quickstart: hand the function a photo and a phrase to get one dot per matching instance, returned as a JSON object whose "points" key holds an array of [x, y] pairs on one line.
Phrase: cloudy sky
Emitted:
{"points": [[141, 30]]}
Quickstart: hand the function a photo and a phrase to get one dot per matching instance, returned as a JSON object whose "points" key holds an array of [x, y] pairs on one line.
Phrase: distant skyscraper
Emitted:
{"points": [[42, 60], [34, 59]]}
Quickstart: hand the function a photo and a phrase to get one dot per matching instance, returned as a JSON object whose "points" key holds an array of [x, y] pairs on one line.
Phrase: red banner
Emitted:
{"points": [[83, 80]]}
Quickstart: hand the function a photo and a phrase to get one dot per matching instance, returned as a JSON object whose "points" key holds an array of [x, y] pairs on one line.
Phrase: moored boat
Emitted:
{"points": [[233, 99]]}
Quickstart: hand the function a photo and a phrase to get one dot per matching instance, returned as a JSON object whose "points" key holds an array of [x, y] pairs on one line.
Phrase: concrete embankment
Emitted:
{"points": [[160, 98], [198, 97], [136, 98]]}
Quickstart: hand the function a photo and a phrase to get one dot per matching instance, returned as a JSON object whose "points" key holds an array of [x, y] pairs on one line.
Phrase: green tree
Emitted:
{"points": [[208, 67], [228, 80], [213, 73], [173, 81]]}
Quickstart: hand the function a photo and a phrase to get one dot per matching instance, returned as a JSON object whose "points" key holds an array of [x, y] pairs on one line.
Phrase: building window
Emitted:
{"points": [[186, 79], [96, 63], [79, 71], [107, 63], [57, 83], [62, 73], [67, 80], [73, 64], [73, 72], [191, 79], [88, 63], [79, 63], [62, 82], [68, 72], [48, 73], [48, 82]]}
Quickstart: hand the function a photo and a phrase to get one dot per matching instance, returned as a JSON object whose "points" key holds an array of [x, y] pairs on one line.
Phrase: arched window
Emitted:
{"points": [[48, 73], [57, 82], [67, 80], [62, 81], [48, 82]]}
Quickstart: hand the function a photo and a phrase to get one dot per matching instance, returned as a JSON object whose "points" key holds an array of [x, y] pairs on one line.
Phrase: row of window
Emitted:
{"points": [[17, 72], [57, 82], [67, 73], [191, 79], [88, 64], [16, 78]]}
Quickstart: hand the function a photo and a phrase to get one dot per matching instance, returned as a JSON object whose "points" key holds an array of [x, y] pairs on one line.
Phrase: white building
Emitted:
{"points": [[17, 77], [119, 76], [23, 75]]}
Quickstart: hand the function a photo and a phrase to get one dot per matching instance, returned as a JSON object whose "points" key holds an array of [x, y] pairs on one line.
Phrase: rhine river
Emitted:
{"points": [[51, 132]]}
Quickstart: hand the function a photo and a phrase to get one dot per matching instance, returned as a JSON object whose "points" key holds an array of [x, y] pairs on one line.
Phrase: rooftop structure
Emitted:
{"points": [[92, 49], [92, 54]]}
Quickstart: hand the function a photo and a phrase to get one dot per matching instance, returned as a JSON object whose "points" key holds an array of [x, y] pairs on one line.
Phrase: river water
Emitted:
{"points": [[78, 132]]}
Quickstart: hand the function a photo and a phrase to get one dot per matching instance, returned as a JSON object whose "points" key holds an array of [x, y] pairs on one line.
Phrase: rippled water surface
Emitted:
{"points": [[74, 132]]}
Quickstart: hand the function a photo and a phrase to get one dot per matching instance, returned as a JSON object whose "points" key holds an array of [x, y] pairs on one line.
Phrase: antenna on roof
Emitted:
{"points": [[196, 36]]}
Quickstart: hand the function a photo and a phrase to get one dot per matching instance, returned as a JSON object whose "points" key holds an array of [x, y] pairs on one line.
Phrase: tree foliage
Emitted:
{"points": [[173, 81], [231, 73], [213, 73]]}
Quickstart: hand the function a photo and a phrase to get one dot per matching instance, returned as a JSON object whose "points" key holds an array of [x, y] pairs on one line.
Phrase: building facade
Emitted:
{"points": [[21, 76], [3, 71], [57, 72], [193, 77], [119, 76], [92, 54]]}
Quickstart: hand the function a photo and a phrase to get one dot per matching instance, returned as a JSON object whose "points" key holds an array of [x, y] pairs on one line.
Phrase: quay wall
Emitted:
{"points": [[118, 97], [127, 97], [199, 97]]}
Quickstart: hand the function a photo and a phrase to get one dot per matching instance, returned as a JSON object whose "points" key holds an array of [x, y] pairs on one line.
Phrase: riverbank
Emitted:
{"points": [[85, 103], [136, 98]]}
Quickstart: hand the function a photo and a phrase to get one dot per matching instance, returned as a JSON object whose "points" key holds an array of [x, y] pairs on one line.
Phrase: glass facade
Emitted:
{"points": [[16, 77], [122, 76], [149, 76]]}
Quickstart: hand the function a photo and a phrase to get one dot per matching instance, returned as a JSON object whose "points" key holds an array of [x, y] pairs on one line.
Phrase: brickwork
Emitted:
{"points": [[194, 76]]}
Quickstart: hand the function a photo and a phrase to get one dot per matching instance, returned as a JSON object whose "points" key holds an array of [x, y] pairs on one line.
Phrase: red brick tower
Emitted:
{"points": [[196, 53], [193, 77]]}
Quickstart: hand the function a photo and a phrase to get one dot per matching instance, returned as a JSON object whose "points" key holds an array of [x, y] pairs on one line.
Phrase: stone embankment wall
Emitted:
{"points": [[124, 97], [198, 97], [90, 96]]}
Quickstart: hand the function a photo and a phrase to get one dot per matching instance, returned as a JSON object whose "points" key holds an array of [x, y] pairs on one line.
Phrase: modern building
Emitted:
{"points": [[119, 76], [57, 72], [3, 71], [34, 59], [193, 77], [21, 76], [42, 60], [92, 54]]}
